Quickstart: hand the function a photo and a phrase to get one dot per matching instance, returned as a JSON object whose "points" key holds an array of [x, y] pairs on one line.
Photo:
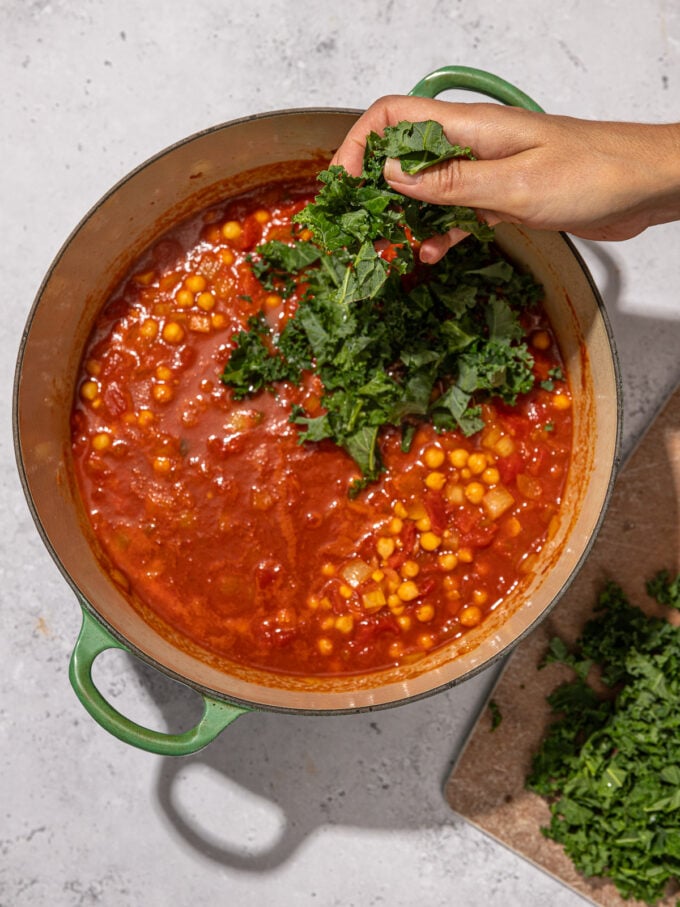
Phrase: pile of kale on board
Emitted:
{"points": [[610, 764]]}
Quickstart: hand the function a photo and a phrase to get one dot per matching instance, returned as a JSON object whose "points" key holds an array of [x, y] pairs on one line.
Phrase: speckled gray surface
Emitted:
{"points": [[279, 810]]}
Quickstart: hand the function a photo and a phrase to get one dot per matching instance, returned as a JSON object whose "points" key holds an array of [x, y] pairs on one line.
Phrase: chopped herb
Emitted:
{"points": [[388, 352], [610, 764], [278, 262], [496, 716], [554, 374], [665, 590], [350, 210], [549, 426], [252, 365]]}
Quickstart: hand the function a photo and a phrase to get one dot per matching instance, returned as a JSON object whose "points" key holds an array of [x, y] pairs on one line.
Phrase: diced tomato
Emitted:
{"points": [[536, 464], [436, 510], [396, 560], [481, 536], [465, 519], [115, 399], [389, 252], [367, 630], [426, 585], [408, 537], [252, 233], [267, 573], [278, 636], [509, 467]]}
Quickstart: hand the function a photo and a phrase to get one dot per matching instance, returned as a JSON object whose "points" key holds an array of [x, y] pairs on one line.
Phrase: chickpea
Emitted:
{"points": [[470, 616], [433, 457]]}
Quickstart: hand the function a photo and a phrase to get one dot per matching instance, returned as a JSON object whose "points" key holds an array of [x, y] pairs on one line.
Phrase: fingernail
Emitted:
{"points": [[394, 173], [428, 256]]}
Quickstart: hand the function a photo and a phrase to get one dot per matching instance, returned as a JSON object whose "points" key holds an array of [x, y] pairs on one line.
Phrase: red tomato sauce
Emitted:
{"points": [[213, 514]]}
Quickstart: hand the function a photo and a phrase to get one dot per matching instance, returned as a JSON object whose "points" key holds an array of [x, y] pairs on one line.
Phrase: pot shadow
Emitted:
{"points": [[252, 797], [381, 770]]}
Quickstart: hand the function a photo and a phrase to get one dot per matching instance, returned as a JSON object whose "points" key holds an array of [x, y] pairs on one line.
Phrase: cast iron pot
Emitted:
{"points": [[202, 170]]}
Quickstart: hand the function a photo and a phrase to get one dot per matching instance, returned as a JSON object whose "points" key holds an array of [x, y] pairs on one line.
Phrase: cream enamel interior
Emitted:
{"points": [[177, 183]]}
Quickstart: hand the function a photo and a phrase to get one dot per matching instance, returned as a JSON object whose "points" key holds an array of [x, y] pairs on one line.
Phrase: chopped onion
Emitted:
{"points": [[496, 501], [356, 572]]}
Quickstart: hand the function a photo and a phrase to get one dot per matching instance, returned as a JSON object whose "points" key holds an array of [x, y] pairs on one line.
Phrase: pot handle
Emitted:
{"points": [[92, 641], [468, 79]]}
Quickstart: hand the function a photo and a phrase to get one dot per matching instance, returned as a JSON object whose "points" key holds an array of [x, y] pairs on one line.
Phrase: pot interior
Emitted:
{"points": [[179, 182]]}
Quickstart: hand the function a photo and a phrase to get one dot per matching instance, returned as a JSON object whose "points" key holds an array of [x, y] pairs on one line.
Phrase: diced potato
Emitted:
{"points": [[497, 501], [374, 600]]}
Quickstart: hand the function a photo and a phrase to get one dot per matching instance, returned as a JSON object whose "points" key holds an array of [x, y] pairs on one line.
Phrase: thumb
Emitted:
{"points": [[453, 182]]}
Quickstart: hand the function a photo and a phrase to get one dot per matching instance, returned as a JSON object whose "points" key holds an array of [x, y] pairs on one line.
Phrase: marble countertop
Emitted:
{"points": [[279, 810]]}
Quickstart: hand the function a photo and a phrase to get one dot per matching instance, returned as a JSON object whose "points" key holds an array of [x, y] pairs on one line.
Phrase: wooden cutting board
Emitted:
{"points": [[640, 535]]}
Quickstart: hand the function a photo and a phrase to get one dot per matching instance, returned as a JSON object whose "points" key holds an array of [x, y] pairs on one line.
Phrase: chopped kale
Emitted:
{"points": [[664, 589], [495, 712], [253, 365], [554, 374], [392, 341], [610, 764], [278, 262]]}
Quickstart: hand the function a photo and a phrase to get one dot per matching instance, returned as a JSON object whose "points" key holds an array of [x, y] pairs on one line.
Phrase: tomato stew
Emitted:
{"points": [[210, 512]]}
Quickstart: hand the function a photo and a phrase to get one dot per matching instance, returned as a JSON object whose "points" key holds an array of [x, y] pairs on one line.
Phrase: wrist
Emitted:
{"points": [[659, 165]]}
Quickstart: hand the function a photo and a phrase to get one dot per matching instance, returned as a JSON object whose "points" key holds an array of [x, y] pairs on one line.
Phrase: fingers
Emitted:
{"points": [[495, 185], [491, 130], [436, 247]]}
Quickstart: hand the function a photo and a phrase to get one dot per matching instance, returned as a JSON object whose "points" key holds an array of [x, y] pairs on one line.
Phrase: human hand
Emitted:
{"points": [[595, 179]]}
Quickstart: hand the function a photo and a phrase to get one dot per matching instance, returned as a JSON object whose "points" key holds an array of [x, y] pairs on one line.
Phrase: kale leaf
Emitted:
{"points": [[279, 261], [416, 145], [495, 713]]}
